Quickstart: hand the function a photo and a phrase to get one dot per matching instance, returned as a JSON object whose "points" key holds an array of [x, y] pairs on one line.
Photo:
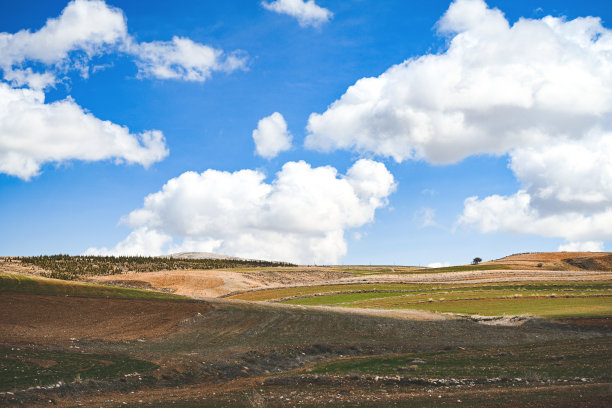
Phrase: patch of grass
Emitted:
{"points": [[273, 294], [304, 291], [564, 359], [20, 369], [401, 270], [404, 298], [10, 283], [341, 298], [544, 307]]}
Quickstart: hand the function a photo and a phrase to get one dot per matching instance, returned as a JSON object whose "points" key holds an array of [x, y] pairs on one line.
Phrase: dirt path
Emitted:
{"points": [[420, 315]]}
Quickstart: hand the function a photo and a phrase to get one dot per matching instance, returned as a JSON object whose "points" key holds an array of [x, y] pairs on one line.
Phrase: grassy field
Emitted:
{"points": [[554, 360], [10, 283], [402, 288], [540, 298], [550, 299], [23, 368], [400, 270], [402, 298], [543, 307]]}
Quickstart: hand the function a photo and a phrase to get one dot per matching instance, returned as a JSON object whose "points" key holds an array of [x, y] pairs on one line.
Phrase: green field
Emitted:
{"points": [[10, 283], [400, 270], [565, 359], [22, 368], [401, 289], [543, 307], [539, 298], [394, 299]]}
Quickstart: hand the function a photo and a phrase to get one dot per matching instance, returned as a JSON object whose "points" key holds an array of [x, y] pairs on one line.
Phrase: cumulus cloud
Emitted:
{"points": [[518, 214], [84, 25], [538, 90], [495, 88], [586, 246], [300, 217], [33, 132], [183, 59], [87, 28], [307, 12], [271, 136], [574, 175], [438, 264]]}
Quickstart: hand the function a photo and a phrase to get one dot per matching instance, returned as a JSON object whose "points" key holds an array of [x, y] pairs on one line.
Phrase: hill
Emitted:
{"points": [[561, 261]]}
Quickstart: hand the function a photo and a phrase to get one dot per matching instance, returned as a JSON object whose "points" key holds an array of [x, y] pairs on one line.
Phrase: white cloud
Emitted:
{"points": [[497, 87], [585, 246], [426, 217], [183, 59], [567, 194], [300, 217], [33, 132], [271, 136], [307, 12], [538, 90], [573, 175], [517, 214], [87, 28], [438, 264]]}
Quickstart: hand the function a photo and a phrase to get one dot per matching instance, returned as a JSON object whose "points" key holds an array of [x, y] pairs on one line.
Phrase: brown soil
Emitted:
{"points": [[217, 283], [41, 362], [214, 283], [594, 322], [258, 394], [58, 319], [11, 265]]}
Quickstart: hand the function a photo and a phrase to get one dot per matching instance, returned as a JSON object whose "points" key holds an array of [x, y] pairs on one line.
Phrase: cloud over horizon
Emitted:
{"points": [[299, 217], [538, 90]]}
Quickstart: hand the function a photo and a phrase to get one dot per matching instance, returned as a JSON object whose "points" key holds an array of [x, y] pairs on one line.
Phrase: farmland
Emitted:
{"points": [[306, 336]]}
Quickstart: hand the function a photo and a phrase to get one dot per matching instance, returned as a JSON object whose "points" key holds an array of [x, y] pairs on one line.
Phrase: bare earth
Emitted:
{"points": [[215, 283], [55, 320], [228, 349]]}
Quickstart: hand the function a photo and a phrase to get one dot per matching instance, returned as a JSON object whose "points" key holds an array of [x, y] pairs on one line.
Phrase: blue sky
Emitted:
{"points": [[397, 194]]}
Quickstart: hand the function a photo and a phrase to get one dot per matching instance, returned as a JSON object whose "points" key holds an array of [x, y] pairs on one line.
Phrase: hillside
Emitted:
{"points": [[562, 261], [287, 334]]}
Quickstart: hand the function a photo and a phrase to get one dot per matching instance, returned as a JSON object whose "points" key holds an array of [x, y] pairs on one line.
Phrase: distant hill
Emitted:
{"points": [[562, 261], [201, 255]]}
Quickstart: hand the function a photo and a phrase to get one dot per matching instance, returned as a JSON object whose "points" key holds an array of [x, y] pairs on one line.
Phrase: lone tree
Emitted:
{"points": [[476, 261]]}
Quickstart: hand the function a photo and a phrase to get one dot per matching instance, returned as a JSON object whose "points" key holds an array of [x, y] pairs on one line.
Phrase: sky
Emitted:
{"points": [[316, 132]]}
